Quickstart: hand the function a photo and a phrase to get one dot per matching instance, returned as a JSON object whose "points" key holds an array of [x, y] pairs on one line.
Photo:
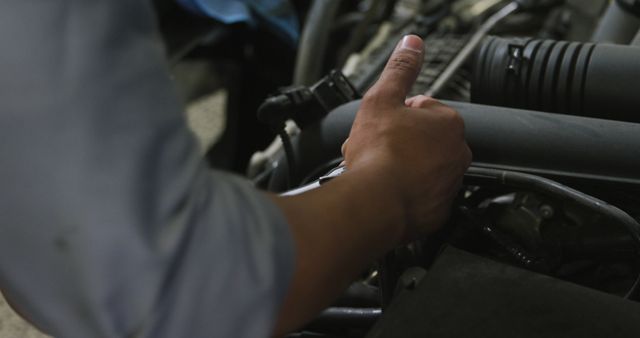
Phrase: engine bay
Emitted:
{"points": [[544, 236]]}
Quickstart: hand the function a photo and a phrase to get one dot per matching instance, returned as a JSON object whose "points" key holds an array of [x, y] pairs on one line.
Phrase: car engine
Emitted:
{"points": [[544, 237]]}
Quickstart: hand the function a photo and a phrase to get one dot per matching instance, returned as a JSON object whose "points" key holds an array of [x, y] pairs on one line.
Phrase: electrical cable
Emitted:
{"points": [[273, 112], [290, 155]]}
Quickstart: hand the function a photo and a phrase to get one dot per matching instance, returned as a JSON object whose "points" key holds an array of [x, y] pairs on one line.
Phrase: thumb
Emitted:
{"points": [[400, 73]]}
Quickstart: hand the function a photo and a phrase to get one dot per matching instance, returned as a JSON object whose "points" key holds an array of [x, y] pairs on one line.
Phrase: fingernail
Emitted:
{"points": [[412, 42]]}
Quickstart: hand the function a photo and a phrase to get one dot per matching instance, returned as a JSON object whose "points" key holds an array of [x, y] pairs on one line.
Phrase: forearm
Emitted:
{"points": [[338, 229]]}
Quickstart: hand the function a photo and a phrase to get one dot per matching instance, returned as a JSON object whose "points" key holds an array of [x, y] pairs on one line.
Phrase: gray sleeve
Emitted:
{"points": [[111, 225]]}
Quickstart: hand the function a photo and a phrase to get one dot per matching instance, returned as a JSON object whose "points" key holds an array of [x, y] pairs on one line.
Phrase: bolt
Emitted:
{"points": [[546, 211]]}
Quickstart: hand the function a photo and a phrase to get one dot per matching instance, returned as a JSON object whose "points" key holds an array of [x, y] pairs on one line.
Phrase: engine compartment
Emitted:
{"points": [[544, 236]]}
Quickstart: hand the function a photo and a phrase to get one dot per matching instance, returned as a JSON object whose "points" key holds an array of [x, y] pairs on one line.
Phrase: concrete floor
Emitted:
{"points": [[12, 326]]}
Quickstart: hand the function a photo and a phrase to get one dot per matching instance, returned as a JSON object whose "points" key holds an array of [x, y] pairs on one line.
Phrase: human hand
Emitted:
{"points": [[416, 147]]}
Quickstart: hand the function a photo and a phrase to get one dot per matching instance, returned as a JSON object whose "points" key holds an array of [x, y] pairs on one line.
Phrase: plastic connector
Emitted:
{"points": [[306, 105]]}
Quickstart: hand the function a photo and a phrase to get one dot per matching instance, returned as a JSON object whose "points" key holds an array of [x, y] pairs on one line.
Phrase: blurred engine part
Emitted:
{"points": [[314, 41], [432, 21], [457, 62], [452, 31], [502, 301], [335, 29], [585, 79], [556, 197], [527, 225], [620, 22], [636, 40], [442, 49]]}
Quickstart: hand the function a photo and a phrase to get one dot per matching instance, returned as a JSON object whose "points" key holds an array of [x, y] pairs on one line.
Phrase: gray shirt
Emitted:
{"points": [[110, 223]]}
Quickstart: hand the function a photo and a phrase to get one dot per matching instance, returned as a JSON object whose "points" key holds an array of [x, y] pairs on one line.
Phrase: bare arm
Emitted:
{"points": [[336, 234]]}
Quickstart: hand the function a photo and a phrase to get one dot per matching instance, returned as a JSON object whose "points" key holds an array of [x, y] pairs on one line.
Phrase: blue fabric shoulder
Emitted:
{"points": [[277, 15]]}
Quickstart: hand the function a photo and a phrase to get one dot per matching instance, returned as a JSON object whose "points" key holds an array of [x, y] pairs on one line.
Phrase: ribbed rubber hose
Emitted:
{"points": [[584, 79]]}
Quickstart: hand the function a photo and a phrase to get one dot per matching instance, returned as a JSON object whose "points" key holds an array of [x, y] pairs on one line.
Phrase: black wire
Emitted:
{"points": [[274, 112], [550, 187], [290, 155]]}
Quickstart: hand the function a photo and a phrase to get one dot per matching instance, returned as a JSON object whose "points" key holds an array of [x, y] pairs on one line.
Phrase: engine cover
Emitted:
{"points": [[465, 295]]}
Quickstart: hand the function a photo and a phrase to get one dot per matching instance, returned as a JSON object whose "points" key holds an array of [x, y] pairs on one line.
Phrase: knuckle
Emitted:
{"points": [[372, 97], [454, 118]]}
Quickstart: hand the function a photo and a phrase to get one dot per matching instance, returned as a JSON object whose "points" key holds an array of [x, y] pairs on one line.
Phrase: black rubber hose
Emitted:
{"points": [[549, 187], [273, 112], [313, 42], [550, 145], [584, 79]]}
